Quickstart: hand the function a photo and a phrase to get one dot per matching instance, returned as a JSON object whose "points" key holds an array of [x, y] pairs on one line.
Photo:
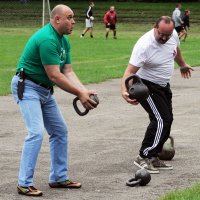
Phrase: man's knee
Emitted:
{"points": [[36, 134]]}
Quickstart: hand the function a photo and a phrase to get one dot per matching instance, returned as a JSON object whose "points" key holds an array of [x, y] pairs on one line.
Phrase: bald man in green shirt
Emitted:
{"points": [[46, 62]]}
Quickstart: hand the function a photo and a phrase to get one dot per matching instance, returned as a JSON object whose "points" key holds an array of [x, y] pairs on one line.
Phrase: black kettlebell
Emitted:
{"points": [[138, 90], [142, 178], [93, 97], [168, 150]]}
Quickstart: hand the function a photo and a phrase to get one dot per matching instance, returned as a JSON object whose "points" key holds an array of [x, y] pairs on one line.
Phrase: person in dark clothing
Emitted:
{"points": [[186, 22], [89, 21]]}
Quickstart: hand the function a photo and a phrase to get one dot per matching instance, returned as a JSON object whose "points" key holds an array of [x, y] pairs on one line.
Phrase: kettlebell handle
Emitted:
{"points": [[93, 97], [171, 141], [77, 109], [133, 182], [134, 76]]}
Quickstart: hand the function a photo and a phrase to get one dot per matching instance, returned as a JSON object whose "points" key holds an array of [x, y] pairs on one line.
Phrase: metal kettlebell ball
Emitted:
{"points": [[168, 150], [138, 90], [93, 97], [142, 178]]}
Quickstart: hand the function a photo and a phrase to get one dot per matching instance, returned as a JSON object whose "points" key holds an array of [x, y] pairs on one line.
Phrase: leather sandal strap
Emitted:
{"points": [[24, 190], [29, 191]]}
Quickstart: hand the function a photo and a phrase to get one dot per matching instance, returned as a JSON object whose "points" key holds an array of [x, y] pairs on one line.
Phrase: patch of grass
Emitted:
{"points": [[12, 43], [192, 193], [94, 60]]}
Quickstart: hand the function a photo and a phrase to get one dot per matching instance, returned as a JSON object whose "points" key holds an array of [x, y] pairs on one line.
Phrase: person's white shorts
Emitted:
{"points": [[88, 23]]}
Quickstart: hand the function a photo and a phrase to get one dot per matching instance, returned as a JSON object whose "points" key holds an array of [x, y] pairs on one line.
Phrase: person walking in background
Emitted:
{"points": [[152, 60], [176, 16], [46, 62], [110, 20], [89, 21], [186, 22]]}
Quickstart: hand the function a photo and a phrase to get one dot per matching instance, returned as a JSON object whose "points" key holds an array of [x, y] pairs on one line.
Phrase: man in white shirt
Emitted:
{"points": [[153, 60], [176, 16]]}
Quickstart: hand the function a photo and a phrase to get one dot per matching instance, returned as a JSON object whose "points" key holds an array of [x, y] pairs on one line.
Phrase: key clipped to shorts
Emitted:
{"points": [[93, 97]]}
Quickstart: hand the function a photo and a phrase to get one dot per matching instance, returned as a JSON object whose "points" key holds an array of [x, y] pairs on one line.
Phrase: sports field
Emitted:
{"points": [[95, 61]]}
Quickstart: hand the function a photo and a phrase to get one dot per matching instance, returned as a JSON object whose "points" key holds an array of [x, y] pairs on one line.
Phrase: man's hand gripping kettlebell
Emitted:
{"points": [[89, 100], [137, 91]]}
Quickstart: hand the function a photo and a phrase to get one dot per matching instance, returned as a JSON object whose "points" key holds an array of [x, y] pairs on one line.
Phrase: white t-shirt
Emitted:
{"points": [[176, 16], [155, 60]]}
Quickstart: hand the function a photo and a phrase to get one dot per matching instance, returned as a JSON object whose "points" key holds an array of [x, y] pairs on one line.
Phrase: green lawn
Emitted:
{"points": [[192, 193], [94, 60]]}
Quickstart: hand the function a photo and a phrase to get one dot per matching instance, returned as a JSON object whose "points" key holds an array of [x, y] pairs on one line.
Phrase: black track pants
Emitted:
{"points": [[159, 107]]}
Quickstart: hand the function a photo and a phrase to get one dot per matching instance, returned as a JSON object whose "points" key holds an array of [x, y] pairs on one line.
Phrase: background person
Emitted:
{"points": [[186, 22], [45, 62], [153, 60], [89, 21], [110, 20], [176, 16]]}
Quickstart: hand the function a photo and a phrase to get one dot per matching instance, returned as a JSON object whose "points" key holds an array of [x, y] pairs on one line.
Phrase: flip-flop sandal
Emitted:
{"points": [[65, 184], [29, 191]]}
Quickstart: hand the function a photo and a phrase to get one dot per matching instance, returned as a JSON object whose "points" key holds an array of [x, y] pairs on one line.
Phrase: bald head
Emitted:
{"points": [[62, 19], [59, 10], [112, 8]]}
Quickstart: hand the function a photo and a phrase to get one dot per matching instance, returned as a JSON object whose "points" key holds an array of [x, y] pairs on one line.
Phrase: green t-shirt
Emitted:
{"points": [[45, 47]]}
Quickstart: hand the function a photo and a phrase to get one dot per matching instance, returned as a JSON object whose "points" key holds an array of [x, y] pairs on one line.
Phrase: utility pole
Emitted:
{"points": [[43, 10]]}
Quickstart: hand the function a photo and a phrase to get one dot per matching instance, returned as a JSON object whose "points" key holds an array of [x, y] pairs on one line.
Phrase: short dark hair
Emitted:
{"points": [[187, 11], [177, 5], [166, 19]]}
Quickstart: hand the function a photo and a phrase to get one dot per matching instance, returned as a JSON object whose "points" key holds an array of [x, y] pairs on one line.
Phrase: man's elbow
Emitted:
{"points": [[54, 77]]}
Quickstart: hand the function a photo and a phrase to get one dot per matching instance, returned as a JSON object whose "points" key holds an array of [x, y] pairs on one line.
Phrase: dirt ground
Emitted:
{"points": [[104, 144]]}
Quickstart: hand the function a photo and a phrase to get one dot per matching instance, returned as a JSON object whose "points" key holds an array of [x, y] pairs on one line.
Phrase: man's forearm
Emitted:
{"points": [[179, 58], [60, 79], [74, 79], [66, 84]]}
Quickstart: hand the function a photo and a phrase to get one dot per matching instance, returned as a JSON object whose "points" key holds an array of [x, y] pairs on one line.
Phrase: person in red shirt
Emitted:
{"points": [[110, 19]]}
